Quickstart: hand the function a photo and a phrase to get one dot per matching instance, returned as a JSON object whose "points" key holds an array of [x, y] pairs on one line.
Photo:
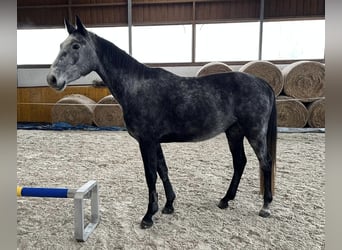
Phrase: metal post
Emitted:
{"points": [[262, 7], [193, 45], [129, 18]]}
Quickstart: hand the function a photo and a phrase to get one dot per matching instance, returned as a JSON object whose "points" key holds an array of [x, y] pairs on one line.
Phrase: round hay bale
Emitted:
{"points": [[108, 113], [74, 109], [316, 111], [291, 113], [213, 68], [267, 71], [304, 80]]}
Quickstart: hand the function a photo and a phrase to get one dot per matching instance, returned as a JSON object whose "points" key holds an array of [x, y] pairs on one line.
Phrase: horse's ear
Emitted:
{"points": [[80, 26], [70, 28]]}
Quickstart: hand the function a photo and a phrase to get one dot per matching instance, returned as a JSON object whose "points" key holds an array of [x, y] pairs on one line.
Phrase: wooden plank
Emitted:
{"points": [[35, 104]]}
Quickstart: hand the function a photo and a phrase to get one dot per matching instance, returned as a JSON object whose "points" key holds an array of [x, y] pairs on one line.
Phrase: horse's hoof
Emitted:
{"points": [[146, 224], [264, 212], [222, 204], [168, 210]]}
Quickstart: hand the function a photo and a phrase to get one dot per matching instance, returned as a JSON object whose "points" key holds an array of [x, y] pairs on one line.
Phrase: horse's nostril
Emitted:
{"points": [[51, 79]]}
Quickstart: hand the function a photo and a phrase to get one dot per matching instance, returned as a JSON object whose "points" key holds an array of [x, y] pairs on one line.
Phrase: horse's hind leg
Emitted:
{"points": [[259, 145], [163, 174], [235, 139]]}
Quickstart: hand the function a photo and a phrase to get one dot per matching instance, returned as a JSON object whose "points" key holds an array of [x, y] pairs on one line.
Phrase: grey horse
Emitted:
{"points": [[161, 107]]}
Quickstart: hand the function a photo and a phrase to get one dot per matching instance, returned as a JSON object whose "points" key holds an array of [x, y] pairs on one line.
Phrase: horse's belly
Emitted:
{"points": [[183, 138], [192, 135]]}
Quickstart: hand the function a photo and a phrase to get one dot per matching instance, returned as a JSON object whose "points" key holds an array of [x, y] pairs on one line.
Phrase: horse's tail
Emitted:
{"points": [[272, 141], [271, 146]]}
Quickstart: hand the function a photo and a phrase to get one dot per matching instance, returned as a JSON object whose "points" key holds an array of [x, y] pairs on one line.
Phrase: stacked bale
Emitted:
{"points": [[73, 109], [291, 113], [304, 82], [78, 110], [108, 113], [213, 68], [267, 71], [316, 115]]}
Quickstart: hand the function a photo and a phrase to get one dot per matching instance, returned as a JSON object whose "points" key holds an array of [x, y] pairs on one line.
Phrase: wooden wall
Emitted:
{"points": [[95, 13], [34, 104]]}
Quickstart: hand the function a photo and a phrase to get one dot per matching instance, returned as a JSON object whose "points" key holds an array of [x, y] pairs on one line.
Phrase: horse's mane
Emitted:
{"points": [[110, 54]]}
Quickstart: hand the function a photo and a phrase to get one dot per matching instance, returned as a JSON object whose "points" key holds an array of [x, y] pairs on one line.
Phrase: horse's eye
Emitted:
{"points": [[75, 46]]}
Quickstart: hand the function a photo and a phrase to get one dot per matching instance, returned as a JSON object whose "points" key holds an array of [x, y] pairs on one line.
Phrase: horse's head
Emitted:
{"points": [[77, 57]]}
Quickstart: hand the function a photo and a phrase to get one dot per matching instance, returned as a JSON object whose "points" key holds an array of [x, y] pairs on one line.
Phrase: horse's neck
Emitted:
{"points": [[117, 69]]}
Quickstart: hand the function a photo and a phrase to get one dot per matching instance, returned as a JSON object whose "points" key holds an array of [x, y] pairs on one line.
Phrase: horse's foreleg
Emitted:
{"points": [[235, 140], [149, 155], [163, 174]]}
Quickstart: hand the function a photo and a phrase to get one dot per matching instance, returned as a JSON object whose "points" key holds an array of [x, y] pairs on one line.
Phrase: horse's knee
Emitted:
{"points": [[163, 175]]}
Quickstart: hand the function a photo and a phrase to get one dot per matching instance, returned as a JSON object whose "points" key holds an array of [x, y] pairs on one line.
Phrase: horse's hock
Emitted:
{"points": [[74, 109]]}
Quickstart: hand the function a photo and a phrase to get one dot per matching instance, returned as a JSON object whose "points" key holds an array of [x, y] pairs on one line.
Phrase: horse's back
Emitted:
{"points": [[239, 83]]}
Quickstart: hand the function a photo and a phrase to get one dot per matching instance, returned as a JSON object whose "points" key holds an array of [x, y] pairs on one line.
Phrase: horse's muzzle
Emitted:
{"points": [[54, 83]]}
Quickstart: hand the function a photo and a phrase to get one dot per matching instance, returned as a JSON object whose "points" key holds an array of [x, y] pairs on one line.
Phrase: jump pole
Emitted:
{"points": [[88, 191]]}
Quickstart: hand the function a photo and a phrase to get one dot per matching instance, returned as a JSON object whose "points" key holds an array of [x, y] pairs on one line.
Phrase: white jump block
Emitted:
{"points": [[87, 191]]}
